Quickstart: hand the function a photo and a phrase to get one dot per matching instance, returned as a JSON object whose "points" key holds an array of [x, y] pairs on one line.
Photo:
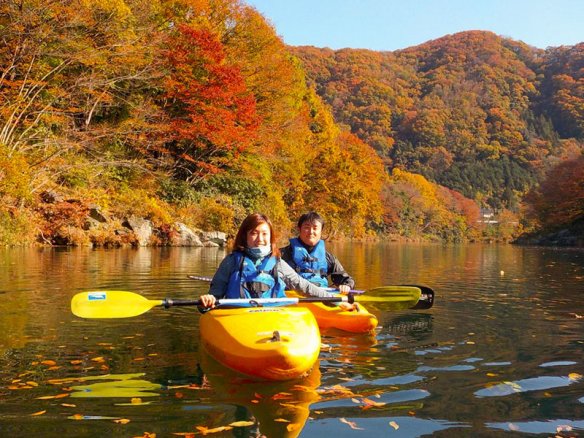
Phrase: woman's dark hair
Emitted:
{"points": [[311, 217], [250, 223]]}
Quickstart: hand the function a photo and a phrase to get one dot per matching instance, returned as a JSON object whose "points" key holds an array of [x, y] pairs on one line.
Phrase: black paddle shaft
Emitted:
{"points": [[169, 302]]}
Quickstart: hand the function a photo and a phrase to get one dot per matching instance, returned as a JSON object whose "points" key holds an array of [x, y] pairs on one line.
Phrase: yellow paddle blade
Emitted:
{"points": [[111, 304], [394, 297]]}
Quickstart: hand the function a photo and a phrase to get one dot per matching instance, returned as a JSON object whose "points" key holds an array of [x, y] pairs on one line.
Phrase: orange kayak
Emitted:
{"points": [[269, 343], [359, 320]]}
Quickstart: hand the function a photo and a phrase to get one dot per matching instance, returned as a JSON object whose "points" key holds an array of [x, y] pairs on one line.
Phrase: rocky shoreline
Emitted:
{"points": [[572, 237], [73, 223]]}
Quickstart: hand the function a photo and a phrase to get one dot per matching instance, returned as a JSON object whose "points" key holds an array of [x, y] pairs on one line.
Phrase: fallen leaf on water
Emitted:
{"points": [[68, 405], [49, 362], [205, 430], [281, 395], [394, 425], [54, 367], [98, 359], [281, 420], [49, 397], [513, 427], [185, 434], [571, 376], [242, 423], [371, 404], [32, 383], [122, 421], [76, 362], [37, 413], [492, 375], [351, 424], [136, 400], [564, 428]]}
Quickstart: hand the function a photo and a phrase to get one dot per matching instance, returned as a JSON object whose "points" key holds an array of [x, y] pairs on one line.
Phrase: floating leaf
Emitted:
{"points": [[122, 421], [205, 430], [281, 420], [32, 383], [136, 401], [76, 362], [38, 413], [49, 362], [49, 397], [351, 424], [394, 425], [571, 376], [371, 404], [68, 405], [242, 423], [281, 395]]}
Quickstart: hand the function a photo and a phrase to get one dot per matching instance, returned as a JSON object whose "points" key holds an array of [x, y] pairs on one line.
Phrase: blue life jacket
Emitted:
{"points": [[311, 266], [251, 281]]}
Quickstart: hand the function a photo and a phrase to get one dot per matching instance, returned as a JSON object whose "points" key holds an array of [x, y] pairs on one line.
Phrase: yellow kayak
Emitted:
{"points": [[270, 343], [358, 320]]}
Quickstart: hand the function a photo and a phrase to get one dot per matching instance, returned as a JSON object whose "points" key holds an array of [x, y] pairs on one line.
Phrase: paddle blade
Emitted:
{"points": [[111, 304], [400, 297]]}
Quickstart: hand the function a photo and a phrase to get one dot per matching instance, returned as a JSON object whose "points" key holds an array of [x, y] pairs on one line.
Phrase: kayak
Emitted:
{"points": [[358, 320], [268, 343]]}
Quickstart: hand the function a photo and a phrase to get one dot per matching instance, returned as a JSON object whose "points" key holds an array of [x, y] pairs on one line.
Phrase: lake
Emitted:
{"points": [[501, 353]]}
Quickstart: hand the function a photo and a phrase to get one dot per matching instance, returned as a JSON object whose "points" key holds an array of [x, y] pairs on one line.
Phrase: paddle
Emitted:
{"points": [[425, 301], [122, 304]]}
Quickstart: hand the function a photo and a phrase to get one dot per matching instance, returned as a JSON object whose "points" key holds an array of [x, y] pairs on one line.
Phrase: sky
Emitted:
{"points": [[397, 24]]}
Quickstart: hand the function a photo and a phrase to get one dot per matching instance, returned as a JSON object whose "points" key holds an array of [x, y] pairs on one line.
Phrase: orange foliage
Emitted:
{"points": [[559, 200]]}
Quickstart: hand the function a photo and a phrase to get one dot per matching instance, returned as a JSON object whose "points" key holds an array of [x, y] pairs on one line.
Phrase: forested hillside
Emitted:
{"points": [[195, 112], [190, 111], [475, 112]]}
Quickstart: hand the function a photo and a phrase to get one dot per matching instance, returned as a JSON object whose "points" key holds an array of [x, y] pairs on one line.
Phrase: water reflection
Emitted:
{"points": [[503, 316], [274, 409]]}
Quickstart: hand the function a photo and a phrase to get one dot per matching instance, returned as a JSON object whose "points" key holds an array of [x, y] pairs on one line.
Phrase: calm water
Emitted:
{"points": [[500, 354]]}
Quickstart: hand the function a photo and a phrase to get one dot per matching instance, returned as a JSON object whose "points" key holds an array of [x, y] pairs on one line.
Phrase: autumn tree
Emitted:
{"points": [[559, 200]]}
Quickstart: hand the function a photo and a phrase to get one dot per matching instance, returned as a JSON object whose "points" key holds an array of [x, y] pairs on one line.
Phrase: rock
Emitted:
{"points": [[142, 228], [185, 236], [217, 237], [96, 214], [51, 197], [91, 224]]}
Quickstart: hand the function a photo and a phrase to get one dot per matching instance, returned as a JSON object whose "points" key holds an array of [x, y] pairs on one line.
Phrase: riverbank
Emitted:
{"points": [[572, 236]]}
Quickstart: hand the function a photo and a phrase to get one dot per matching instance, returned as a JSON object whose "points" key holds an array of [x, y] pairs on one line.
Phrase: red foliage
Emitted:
{"points": [[212, 115]]}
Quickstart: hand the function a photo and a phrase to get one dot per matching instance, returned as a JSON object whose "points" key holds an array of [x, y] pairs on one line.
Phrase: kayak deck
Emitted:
{"points": [[358, 320], [271, 343]]}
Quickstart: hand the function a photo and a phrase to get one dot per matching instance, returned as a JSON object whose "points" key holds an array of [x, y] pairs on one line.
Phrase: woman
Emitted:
{"points": [[254, 268]]}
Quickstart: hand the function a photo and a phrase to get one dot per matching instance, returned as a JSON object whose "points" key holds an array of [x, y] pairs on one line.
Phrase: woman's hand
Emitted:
{"points": [[208, 301], [344, 289]]}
